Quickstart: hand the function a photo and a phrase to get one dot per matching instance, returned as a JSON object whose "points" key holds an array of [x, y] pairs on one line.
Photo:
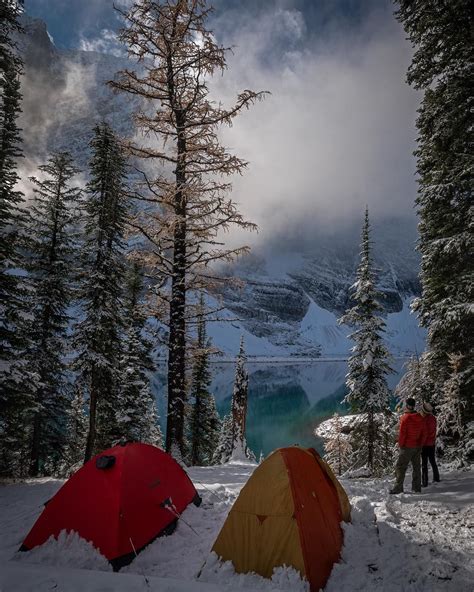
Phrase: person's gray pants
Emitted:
{"points": [[407, 455]]}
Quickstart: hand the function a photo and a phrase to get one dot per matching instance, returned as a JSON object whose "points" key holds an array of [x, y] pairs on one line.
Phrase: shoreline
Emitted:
{"points": [[284, 360]]}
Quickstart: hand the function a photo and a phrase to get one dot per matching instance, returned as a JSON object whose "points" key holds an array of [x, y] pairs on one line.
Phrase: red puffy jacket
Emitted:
{"points": [[430, 430], [412, 430]]}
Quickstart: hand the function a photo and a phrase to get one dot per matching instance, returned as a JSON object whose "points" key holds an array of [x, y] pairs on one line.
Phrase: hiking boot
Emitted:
{"points": [[395, 490]]}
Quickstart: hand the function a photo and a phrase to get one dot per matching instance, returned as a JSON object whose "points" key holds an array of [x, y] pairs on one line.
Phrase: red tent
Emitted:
{"points": [[120, 501]]}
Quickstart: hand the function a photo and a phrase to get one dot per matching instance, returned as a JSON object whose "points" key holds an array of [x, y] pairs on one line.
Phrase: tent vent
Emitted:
{"points": [[105, 462]]}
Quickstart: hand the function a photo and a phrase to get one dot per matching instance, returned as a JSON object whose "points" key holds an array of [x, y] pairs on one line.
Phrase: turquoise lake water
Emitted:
{"points": [[286, 400]]}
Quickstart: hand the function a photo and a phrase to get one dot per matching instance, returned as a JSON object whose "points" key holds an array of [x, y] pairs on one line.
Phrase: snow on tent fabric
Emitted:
{"points": [[120, 501], [288, 513]]}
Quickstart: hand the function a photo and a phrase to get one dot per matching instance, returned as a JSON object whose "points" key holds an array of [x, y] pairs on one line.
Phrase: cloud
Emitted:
{"points": [[337, 132], [52, 101], [106, 42]]}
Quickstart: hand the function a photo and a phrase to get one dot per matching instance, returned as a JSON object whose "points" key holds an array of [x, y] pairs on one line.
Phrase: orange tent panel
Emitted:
{"points": [[341, 493]]}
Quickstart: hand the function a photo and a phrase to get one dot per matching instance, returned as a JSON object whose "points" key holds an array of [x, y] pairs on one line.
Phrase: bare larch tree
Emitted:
{"points": [[183, 184]]}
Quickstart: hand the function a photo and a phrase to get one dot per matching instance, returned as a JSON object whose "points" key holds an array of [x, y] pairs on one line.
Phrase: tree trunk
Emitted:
{"points": [[90, 443], [370, 440], [196, 429], [177, 346], [239, 416], [35, 446], [177, 335]]}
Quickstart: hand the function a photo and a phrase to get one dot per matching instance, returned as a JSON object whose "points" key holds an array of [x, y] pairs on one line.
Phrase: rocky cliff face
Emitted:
{"points": [[65, 94], [292, 296]]}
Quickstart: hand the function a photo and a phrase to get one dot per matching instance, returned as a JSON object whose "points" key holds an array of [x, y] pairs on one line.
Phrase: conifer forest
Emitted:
{"points": [[236, 232]]}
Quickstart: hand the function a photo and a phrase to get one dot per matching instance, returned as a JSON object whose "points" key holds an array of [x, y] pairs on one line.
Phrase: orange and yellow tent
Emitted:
{"points": [[288, 513]]}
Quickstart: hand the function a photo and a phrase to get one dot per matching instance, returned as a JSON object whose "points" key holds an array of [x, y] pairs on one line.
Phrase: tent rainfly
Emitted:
{"points": [[288, 513], [120, 501]]}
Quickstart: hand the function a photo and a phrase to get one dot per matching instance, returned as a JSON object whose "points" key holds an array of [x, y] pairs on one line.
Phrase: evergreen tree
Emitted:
{"points": [[383, 447], [76, 432], [368, 366], [136, 414], [205, 423], [103, 267], [240, 450], [51, 251], [223, 450], [442, 64], [213, 427], [16, 403], [415, 383], [338, 448], [450, 414], [11, 199]]}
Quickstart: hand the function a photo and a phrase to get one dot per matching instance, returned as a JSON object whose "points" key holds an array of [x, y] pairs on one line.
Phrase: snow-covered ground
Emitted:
{"points": [[410, 542], [407, 543]]}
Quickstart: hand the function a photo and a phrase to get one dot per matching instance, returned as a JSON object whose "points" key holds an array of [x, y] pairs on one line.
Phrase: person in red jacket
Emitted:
{"points": [[411, 438], [428, 452]]}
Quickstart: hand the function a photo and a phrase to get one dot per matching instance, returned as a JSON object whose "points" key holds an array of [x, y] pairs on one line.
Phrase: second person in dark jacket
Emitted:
{"points": [[428, 452]]}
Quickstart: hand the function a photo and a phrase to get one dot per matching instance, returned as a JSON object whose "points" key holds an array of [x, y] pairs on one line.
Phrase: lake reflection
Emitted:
{"points": [[286, 400]]}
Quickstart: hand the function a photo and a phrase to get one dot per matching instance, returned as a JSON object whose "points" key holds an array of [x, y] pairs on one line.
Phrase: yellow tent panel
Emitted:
{"points": [[288, 513], [261, 530]]}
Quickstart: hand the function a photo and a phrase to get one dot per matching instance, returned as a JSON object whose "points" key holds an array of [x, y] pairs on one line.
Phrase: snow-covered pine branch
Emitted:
{"points": [[415, 383], [97, 334], [52, 252], [368, 364], [16, 403], [136, 415], [441, 67], [205, 423], [240, 451], [338, 447], [76, 431]]}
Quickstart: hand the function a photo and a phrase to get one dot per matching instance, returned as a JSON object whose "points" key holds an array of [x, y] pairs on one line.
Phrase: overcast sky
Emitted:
{"points": [[338, 130]]}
